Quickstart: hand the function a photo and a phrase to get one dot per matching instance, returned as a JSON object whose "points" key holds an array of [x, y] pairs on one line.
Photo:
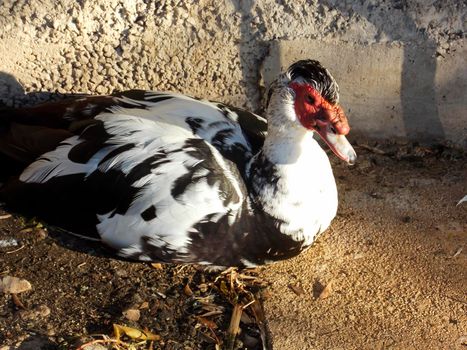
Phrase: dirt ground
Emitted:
{"points": [[390, 273]]}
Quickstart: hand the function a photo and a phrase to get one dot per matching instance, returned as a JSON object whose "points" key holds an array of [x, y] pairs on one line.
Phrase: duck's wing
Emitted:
{"points": [[143, 174], [236, 133], [27, 133], [144, 185]]}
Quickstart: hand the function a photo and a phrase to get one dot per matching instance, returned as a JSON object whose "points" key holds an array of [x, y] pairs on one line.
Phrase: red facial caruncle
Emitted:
{"points": [[312, 108], [328, 120]]}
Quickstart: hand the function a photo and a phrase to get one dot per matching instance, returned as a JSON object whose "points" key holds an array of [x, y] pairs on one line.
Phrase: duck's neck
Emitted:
{"points": [[283, 154], [284, 147], [291, 180]]}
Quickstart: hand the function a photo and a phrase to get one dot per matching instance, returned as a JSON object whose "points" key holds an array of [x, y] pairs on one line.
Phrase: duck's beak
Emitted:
{"points": [[337, 142]]}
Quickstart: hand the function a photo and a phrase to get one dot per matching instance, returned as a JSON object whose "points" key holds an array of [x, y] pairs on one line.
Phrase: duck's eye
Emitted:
{"points": [[310, 99]]}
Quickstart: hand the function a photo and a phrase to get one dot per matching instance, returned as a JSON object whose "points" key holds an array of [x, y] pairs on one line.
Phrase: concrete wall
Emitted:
{"points": [[400, 64], [390, 90]]}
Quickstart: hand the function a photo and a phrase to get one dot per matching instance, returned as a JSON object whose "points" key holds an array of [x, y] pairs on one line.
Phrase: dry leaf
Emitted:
{"points": [[157, 266], [134, 333], [260, 318], [132, 314], [234, 326], [326, 291], [223, 288], [235, 319], [457, 253], [144, 305], [206, 322], [297, 289], [14, 285], [26, 230], [17, 301], [206, 338], [212, 313], [187, 290]]}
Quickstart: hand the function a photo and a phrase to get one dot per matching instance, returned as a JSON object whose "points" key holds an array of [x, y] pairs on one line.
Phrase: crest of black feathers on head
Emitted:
{"points": [[317, 76]]}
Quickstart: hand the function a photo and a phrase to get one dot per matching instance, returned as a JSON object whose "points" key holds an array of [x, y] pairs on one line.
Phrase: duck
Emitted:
{"points": [[165, 177]]}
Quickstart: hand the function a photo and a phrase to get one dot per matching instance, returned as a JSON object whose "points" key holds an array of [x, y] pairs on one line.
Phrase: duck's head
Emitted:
{"points": [[311, 97]]}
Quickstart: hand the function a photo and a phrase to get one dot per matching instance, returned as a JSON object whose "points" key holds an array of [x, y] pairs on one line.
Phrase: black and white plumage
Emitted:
{"points": [[169, 178]]}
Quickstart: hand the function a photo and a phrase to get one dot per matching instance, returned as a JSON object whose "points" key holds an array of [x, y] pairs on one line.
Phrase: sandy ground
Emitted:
{"points": [[396, 259], [390, 273]]}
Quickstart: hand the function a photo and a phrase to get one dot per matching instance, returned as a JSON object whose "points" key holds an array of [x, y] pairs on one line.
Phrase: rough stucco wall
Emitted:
{"points": [[205, 48]]}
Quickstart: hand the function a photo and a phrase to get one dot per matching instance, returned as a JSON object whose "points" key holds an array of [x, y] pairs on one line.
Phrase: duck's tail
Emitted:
{"points": [[27, 133], [22, 141]]}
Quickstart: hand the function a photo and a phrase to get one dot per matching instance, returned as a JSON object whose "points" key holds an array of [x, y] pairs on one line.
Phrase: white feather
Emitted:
{"points": [[462, 200]]}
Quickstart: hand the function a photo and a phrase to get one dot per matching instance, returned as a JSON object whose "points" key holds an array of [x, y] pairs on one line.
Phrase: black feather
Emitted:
{"points": [[319, 77]]}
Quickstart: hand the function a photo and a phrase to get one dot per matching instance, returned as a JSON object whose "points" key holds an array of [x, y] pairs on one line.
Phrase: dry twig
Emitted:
{"points": [[260, 318], [17, 301], [234, 326], [15, 250], [372, 149]]}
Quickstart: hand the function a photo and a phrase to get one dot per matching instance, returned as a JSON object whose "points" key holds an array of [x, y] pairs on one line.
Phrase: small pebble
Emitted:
{"points": [[10, 284], [121, 273], [40, 311], [8, 242], [132, 314], [43, 310], [203, 288], [94, 347]]}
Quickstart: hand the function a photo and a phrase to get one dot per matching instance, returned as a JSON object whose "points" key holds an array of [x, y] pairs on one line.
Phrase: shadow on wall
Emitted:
{"points": [[12, 93], [248, 62], [244, 8], [10, 90], [418, 95]]}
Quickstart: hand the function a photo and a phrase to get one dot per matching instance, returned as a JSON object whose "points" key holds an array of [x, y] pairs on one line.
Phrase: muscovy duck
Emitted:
{"points": [[169, 178]]}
